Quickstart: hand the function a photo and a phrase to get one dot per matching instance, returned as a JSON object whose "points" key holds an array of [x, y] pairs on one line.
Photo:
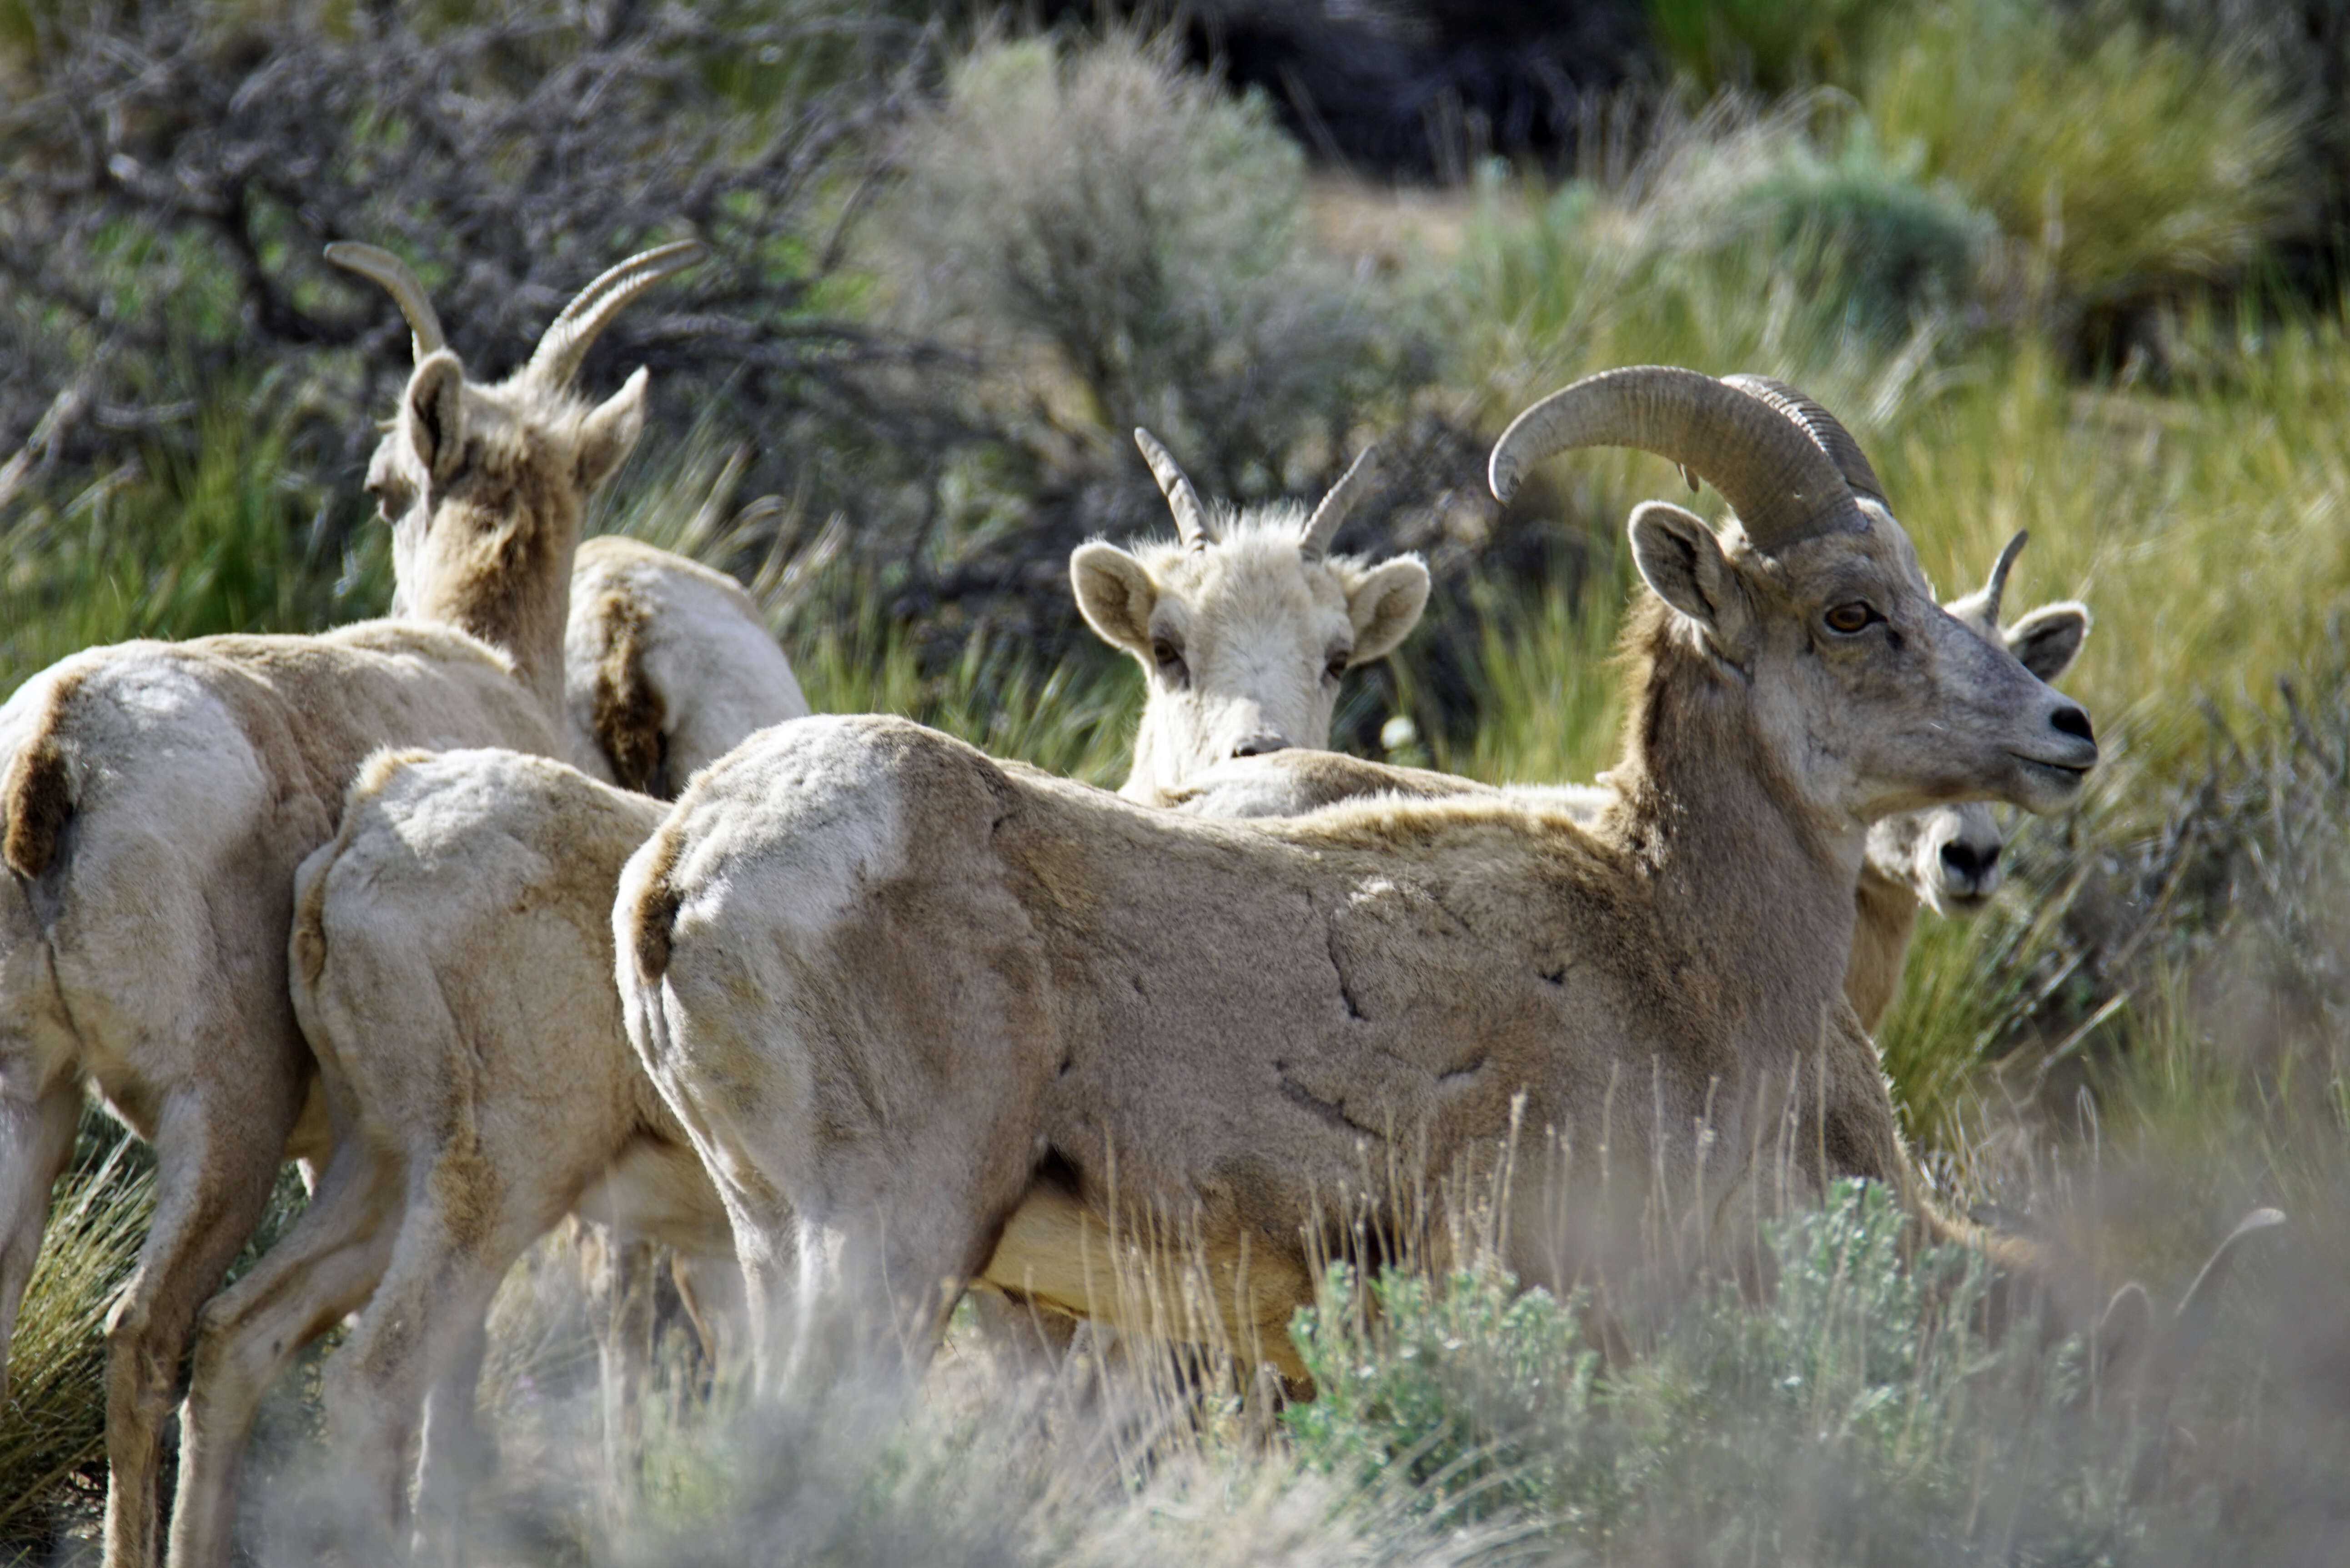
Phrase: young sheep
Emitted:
{"points": [[155, 799], [1244, 625]]}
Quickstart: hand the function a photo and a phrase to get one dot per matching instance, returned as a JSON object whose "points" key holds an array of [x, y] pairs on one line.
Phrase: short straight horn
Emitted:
{"points": [[379, 265], [565, 347], [1771, 470], [1322, 528], [1191, 518]]}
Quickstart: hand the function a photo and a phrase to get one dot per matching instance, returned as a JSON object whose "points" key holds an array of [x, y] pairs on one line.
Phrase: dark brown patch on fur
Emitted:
{"points": [[655, 917], [36, 800], [629, 714]]}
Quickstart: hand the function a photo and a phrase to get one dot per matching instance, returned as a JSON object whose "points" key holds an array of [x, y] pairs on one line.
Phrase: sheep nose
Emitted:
{"points": [[1259, 743], [2074, 721], [1965, 866]]}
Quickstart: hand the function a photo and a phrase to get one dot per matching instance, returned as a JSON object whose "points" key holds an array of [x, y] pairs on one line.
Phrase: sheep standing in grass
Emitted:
{"points": [[155, 799], [453, 969], [929, 1018]]}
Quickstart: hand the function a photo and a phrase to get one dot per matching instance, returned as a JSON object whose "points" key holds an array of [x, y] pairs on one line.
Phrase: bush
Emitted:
{"points": [[1146, 232], [2125, 163], [1856, 1415]]}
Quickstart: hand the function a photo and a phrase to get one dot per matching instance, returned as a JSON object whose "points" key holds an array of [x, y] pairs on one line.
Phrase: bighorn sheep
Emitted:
{"points": [[923, 1015], [1946, 856], [454, 972], [667, 665], [155, 799], [1244, 625]]}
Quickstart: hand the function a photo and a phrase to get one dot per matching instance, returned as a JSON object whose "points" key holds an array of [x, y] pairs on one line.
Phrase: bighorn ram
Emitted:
{"points": [[1947, 856], [155, 799], [929, 1018], [1244, 625]]}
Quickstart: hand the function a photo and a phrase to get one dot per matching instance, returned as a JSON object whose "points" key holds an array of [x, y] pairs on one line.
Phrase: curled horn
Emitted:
{"points": [[1999, 570], [1826, 428], [582, 320], [1191, 517], [379, 265], [1344, 497], [1768, 465]]}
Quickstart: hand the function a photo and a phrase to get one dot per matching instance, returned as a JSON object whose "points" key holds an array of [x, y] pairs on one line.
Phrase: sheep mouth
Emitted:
{"points": [[2055, 773]]}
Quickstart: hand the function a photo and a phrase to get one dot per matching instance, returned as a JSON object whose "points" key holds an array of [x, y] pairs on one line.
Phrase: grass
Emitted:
{"points": [[2144, 1039]]}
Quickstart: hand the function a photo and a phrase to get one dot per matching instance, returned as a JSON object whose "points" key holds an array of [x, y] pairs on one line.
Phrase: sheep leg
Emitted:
{"points": [[445, 1269], [212, 1189], [453, 1452], [321, 1270], [620, 1310], [37, 1138]]}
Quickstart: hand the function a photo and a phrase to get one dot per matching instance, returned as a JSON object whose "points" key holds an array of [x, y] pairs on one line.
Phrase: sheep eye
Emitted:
{"points": [[1851, 618], [1169, 660], [391, 498], [1338, 665]]}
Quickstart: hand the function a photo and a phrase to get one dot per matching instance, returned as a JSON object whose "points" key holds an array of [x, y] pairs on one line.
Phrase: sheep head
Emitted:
{"points": [[1245, 624], [484, 484], [1805, 625], [1949, 857]]}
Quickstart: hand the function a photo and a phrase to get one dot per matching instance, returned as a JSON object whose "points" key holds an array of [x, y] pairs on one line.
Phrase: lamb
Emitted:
{"points": [[1946, 858], [929, 1018], [1244, 625], [155, 799]]}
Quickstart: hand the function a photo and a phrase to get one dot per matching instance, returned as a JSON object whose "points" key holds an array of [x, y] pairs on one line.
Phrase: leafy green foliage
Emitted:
{"points": [[1856, 1415]]}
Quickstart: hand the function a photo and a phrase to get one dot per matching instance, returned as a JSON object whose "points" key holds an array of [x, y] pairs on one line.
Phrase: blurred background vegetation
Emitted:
{"points": [[2075, 265]]}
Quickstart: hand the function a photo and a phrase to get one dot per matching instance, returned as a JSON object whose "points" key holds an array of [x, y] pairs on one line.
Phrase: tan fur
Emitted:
{"points": [[1260, 630], [884, 982], [457, 986], [153, 966]]}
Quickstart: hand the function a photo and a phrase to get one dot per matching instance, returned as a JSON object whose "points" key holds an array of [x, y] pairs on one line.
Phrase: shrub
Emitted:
{"points": [[2124, 163], [1856, 1415], [1142, 230]]}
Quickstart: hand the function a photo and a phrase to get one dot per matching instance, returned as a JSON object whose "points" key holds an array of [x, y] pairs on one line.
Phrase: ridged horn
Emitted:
{"points": [[1191, 518], [1344, 497], [379, 265], [1773, 472], [573, 333], [1826, 428], [1999, 570]]}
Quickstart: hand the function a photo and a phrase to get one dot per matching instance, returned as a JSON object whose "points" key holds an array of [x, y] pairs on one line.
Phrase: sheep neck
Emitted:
{"points": [[1764, 886]]}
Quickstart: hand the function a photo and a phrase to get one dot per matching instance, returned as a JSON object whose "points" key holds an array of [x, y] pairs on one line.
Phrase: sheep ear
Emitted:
{"points": [[2049, 639], [1384, 604], [1681, 559], [432, 413], [1115, 595], [610, 432]]}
